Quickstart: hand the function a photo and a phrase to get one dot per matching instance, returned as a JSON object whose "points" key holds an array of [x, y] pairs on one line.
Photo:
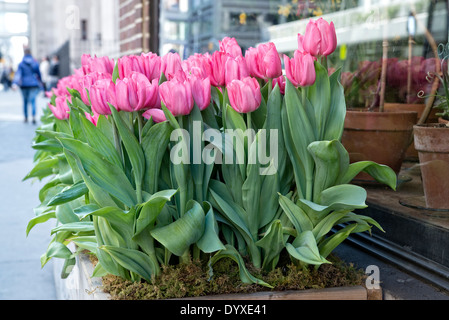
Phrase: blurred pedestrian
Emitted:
{"points": [[28, 79], [45, 73], [5, 77], [54, 71]]}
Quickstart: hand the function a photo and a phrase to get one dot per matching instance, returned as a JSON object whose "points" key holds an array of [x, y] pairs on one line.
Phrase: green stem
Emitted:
{"points": [[185, 258], [270, 88], [118, 143], [140, 125]]}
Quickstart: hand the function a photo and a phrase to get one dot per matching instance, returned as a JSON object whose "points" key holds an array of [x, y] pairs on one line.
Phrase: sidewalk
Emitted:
{"points": [[21, 276]]}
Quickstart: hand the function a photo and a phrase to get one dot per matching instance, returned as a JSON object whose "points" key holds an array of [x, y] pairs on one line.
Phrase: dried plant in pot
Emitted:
{"points": [[373, 133], [432, 143]]}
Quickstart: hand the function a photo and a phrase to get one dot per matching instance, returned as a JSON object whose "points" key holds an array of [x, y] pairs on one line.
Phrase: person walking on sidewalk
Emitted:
{"points": [[28, 78]]}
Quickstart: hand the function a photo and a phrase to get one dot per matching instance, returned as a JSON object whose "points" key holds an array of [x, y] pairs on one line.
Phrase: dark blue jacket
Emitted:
{"points": [[28, 74]]}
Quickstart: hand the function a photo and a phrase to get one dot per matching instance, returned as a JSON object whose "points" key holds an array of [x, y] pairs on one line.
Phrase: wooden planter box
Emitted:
{"points": [[80, 286]]}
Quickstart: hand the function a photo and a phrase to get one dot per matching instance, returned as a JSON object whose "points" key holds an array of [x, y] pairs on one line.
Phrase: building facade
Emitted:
{"points": [[14, 31], [73, 28], [196, 26], [138, 26]]}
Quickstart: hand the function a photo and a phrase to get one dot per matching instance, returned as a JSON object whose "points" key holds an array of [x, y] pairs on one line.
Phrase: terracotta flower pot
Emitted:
{"points": [[441, 120], [382, 137], [412, 153], [432, 143]]}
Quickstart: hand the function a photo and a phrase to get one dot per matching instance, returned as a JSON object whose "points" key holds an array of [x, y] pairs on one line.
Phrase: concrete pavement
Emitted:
{"points": [[21, 276]]}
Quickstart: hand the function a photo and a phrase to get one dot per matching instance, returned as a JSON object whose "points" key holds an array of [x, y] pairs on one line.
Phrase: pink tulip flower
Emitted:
{"points": [[217, 67], [319, 39], [177, 96], [300, 69], [244, 95], [235, 69], [231, 47], [148, 64], [102, 92], [97, 64], [136, 93], [264, 61], [171, 64], [281, 82], [86, 82], [92, 118], [201, 91], [198, 65], [61, 110], [157, 114]]}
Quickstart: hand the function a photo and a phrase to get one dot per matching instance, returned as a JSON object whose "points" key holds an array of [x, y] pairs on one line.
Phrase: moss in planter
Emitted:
{"points": [[192, 280]]}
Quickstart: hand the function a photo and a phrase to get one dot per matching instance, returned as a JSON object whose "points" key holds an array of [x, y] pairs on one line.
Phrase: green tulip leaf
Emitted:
{"points": [[102, 172], [245, 275], [68, 194], [179, 235], [305, 249]]}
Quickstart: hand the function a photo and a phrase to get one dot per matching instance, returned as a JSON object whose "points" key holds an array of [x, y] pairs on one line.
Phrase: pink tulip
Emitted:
{"points": [[171, 65], [157, 114], [300, 69], [281, 82], [86, 82], [217, 67], [97, 64], [264, 61], [201, 91], [177, 96], [148, 64], [102, 92], [244, 95], [198, 65], [235, 69], [319, 39], [61, 110], [231, 47], [92, 118], [136, 93]]}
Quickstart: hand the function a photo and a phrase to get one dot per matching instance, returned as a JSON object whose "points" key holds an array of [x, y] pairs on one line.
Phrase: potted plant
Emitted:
{"points": [[373, 133], [432, 143], [154, 161]]}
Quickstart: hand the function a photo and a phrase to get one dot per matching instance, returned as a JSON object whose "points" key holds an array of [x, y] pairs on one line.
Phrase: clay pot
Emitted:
{"points": [[432, 143], [411, 153], [444, 121], [382, 137]]}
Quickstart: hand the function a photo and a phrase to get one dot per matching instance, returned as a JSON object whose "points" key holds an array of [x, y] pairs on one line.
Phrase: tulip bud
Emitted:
{"points": [[244, 95]]}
